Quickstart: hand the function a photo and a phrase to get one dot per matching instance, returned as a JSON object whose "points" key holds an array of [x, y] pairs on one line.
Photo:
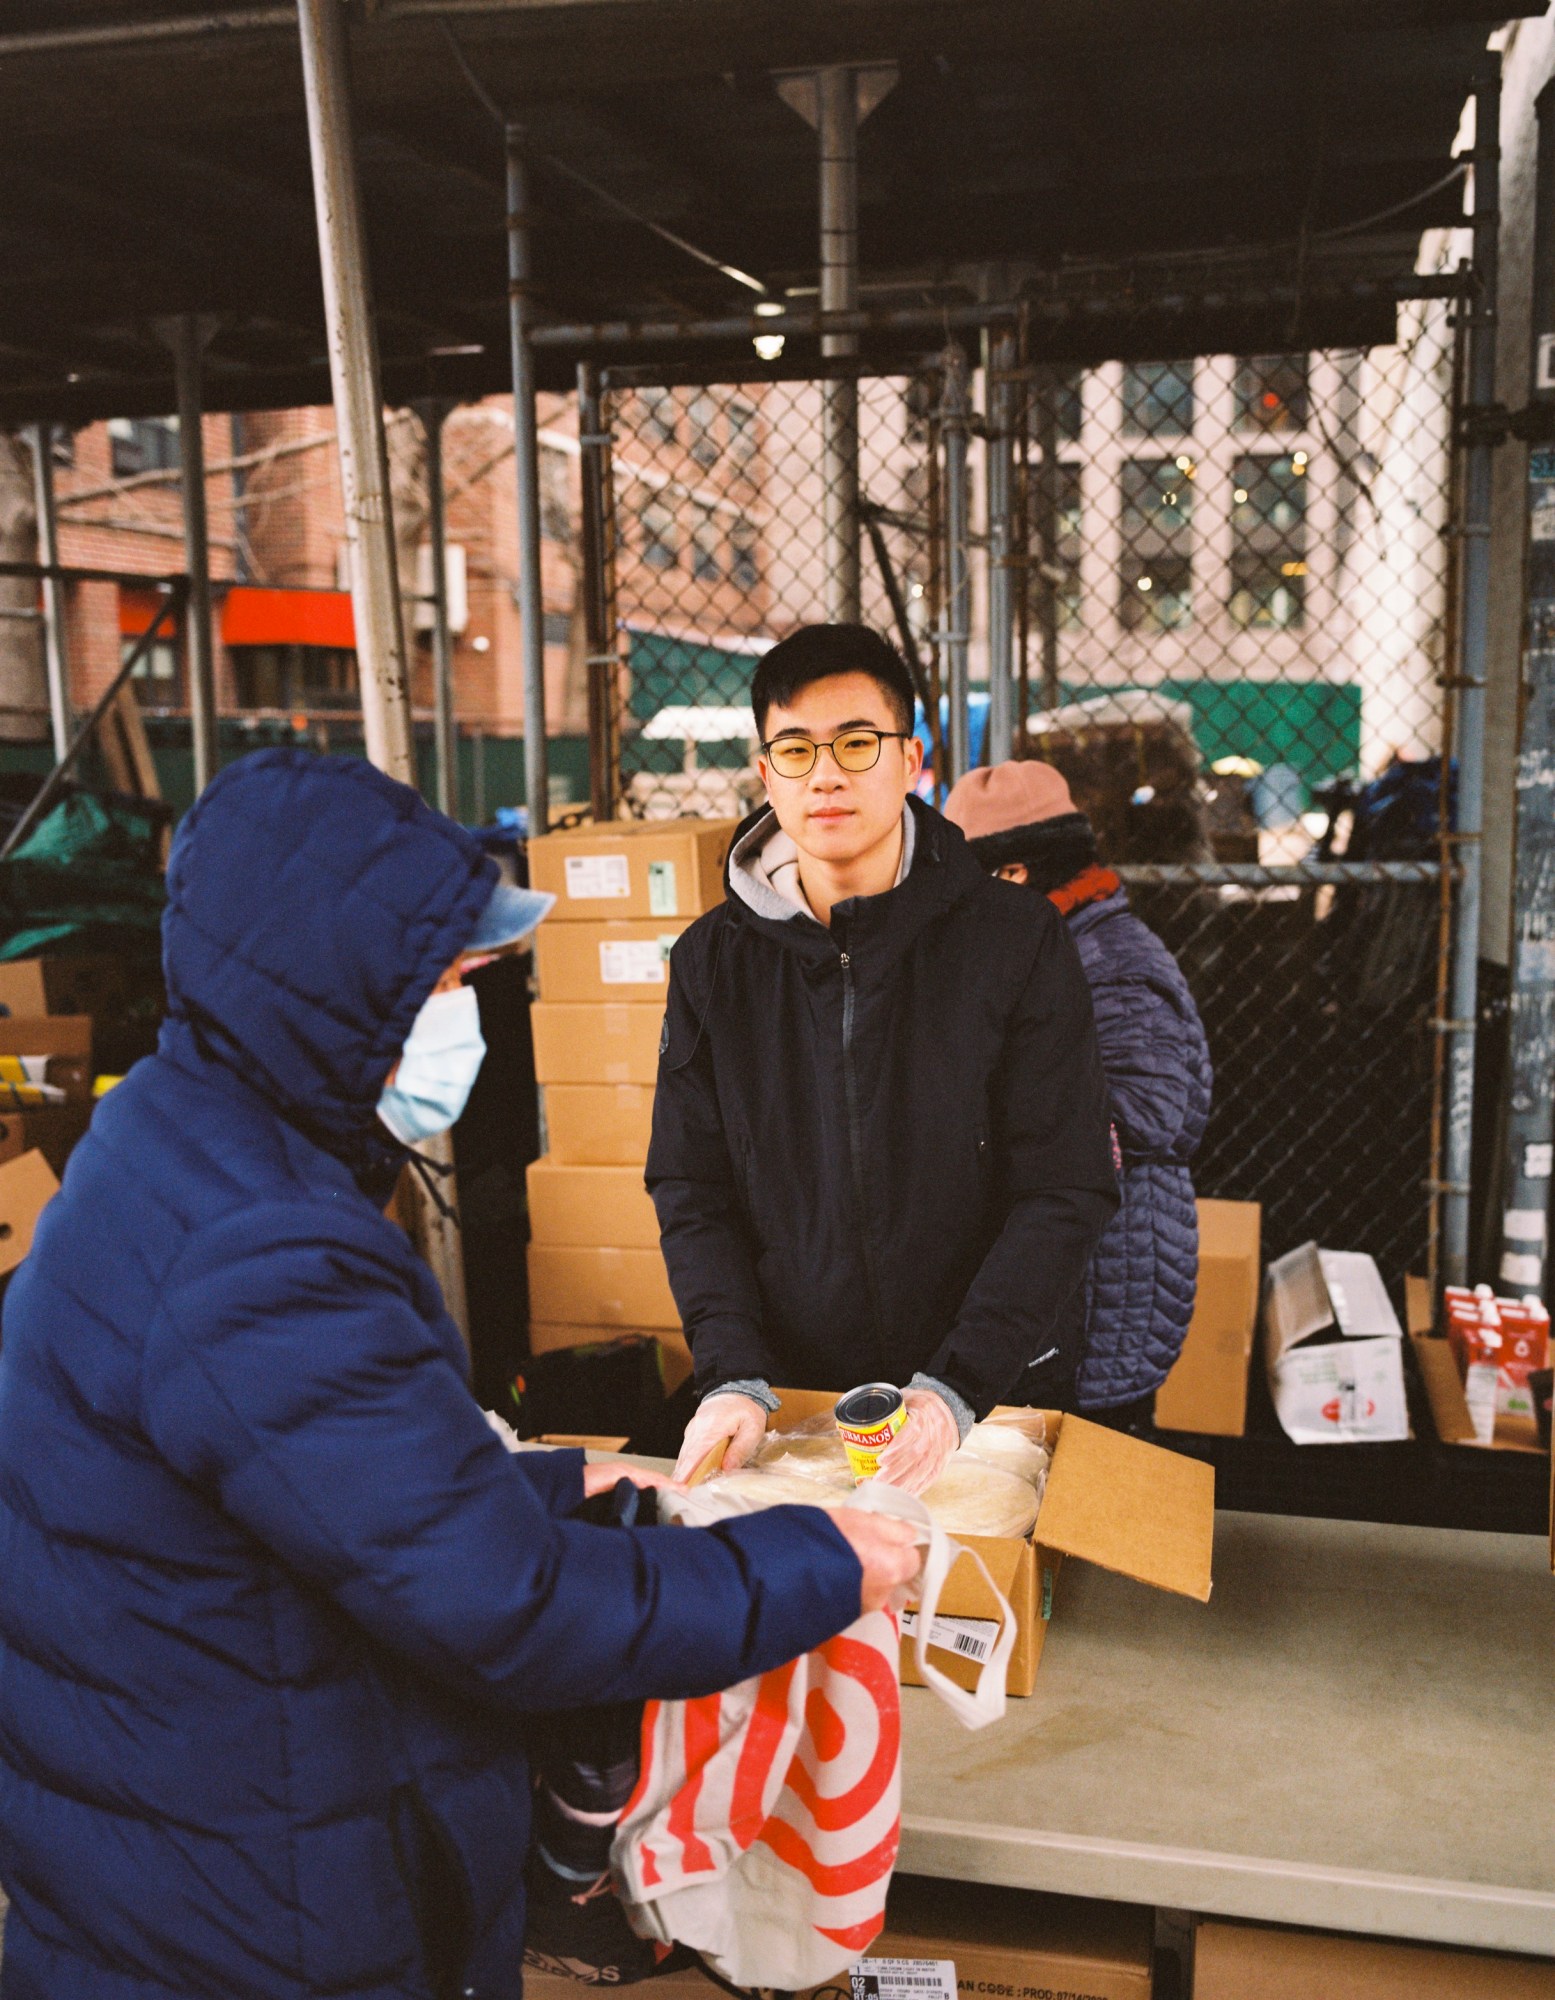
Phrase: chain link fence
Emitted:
{"points": [[1233, 608]]}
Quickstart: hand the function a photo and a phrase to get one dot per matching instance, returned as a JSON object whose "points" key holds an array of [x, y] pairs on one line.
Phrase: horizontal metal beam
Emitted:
{"points": [[1284, 875], [746, 326]]}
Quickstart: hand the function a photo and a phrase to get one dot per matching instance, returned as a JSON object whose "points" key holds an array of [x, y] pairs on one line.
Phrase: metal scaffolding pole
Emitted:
{"points": [[955, 426], [433, 412], [1470, 747], [364, 481], [55, 648], [188, 335], [526, 461], [602, 660], [1530, 1117], [837, 126], [999, 448], [356, 382]]}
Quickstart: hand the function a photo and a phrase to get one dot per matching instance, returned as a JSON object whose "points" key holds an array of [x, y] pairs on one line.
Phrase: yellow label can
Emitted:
{"points": [[867, 1420]]}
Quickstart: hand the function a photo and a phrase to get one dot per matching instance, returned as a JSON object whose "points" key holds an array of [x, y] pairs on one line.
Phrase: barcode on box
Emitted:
{"points": [[971, 1638], [903, 1978]]}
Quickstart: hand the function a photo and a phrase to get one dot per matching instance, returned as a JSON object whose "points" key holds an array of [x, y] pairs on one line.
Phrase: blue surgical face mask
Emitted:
{"points": [[442, 1056]]}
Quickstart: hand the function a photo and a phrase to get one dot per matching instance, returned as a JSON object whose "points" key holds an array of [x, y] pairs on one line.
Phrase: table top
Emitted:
{"points": [[1357, 1733]]}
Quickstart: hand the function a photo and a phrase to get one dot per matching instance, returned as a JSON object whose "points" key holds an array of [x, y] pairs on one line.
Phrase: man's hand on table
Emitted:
{"points": [[737, 1421], [924, 1446]]}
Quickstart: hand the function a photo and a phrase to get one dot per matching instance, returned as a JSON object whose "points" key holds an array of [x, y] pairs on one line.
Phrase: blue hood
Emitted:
{"points": [[312, 905]]}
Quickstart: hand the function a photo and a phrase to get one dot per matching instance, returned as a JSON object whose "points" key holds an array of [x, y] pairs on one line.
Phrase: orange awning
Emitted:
{"points": [[255, 617]]}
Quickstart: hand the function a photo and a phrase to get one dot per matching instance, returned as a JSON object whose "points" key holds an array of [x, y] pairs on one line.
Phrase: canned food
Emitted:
{"points": [[867, 1420]]}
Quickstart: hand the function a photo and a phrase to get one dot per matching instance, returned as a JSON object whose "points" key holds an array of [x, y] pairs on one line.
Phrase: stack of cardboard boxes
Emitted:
{"points": [[624, 892], [45, 1098]]}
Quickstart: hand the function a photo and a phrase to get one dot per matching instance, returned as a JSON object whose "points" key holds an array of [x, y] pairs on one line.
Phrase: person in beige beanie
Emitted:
{"points": [[1022, 825]]}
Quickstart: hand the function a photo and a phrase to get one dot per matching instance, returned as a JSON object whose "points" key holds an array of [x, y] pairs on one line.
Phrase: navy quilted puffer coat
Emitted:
{"points": [[275, 1600], [1139, 1290]]}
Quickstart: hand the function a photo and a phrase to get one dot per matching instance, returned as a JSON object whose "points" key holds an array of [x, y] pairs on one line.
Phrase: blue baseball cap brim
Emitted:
{"points": [[511, 914]]}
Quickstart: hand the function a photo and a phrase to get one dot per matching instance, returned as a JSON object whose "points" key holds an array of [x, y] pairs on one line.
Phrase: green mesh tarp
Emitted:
{"points": [[87, 878]]}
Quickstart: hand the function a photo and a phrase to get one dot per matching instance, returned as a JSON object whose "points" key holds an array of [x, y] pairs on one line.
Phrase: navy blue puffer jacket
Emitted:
{"points": [[1139, 1290], [275, 1601]]}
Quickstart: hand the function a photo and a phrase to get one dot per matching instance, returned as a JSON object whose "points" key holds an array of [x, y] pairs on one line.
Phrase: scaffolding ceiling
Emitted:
{"points": [[1244, 174]]}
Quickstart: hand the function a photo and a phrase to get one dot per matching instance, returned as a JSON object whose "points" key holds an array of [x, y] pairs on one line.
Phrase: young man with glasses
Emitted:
{"points": [[880, 1139]]}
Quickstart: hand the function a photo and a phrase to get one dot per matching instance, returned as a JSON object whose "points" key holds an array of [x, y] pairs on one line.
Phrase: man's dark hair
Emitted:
{"points": [[820, 653]]}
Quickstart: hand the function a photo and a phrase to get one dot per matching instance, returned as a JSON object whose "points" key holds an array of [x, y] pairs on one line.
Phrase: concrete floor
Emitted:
{"points": [[1355, 1733]]}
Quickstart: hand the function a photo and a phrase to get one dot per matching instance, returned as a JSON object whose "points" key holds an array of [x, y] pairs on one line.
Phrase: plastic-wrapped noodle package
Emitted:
{"points": [[974, 1498], [1011, 1449]]}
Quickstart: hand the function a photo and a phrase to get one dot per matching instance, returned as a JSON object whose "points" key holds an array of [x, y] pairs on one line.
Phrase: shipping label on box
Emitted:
{"points": [[596, 877], [608, 961], [903, 1979]]}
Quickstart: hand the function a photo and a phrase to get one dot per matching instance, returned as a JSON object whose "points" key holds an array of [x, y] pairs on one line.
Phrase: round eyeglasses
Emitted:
{"points": [[853, 750]]}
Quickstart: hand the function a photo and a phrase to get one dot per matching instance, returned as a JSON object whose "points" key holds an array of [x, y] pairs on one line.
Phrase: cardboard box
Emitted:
{"points": [[588, 1205], [27, 1185], [1110, 1499], [1333, 1348], [21, 988], [1207, 1388], [1009, 1941], [633, 868], [957, 1938], [546, 1338], [581, 1286], [627, 961], [599, 1124], [51, 1129], [1261, 1962], [1444, 1390], [64, 1041], [582, 1044]]}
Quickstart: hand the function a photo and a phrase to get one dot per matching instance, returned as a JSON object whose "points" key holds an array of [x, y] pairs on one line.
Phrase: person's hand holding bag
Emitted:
{"points": [[733, 1416], [924, 1446]]}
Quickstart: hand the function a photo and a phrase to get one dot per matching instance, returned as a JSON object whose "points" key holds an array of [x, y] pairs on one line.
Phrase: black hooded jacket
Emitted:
{"points": [[880, 1147]]}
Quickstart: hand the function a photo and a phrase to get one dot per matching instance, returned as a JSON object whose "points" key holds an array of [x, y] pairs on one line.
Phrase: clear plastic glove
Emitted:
{"points": [[924, 1446], [888, 1551], [739, 1418]]}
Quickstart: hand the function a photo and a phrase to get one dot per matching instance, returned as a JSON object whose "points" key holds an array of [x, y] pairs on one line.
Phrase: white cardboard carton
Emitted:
{"points": [[1333, 1348]]}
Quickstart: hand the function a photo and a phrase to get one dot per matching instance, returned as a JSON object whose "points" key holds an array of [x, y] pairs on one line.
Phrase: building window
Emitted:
{"points": [[1158, 399], [1269, 542], [295, 677], [1155, 578], [1271, 392], [744, 559], [155, 676], [703, 417], [660, 545], [706, 555], [661, 415], [1057, 548], [143, 444]]}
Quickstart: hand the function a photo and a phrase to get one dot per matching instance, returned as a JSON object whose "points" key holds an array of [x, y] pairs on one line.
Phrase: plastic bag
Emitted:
{"points": [[765, 1825]]}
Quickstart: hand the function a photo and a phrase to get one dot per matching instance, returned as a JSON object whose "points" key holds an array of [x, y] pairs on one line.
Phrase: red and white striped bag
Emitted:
{"points": [[766, 1821]]}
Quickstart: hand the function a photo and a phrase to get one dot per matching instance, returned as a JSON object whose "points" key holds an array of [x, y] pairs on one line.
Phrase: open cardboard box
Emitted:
{"points": [[1110, 1500], [1444, 1385]]}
